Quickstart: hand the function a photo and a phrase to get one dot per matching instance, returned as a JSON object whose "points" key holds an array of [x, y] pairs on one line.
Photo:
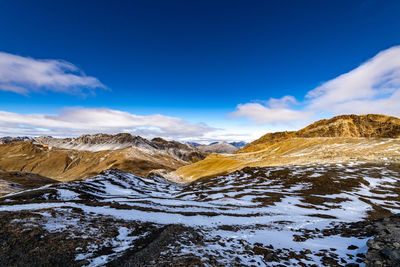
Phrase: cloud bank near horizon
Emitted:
{"points": [[24, 75], [372, 87], [77, 121]]}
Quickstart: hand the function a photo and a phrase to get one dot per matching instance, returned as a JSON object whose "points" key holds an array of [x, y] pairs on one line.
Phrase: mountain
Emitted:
{"points": [[218, 147], [239, 144], [9, 139], [88, 155], [194, 144], [346, 138], [362, 126], [101, 142]]}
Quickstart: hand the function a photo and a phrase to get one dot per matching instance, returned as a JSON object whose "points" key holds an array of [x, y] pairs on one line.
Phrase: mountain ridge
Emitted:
{"points": [[88, 155], [368, 126]]}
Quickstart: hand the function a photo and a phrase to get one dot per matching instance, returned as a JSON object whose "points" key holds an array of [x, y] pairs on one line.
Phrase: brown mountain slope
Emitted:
{"points": [[371, 125], [347, 138], [15, 181], [61, 164]]}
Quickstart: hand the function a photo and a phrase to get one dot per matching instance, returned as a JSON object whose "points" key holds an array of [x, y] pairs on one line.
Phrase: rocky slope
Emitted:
{"points": [[85, 156], [368, 138]]}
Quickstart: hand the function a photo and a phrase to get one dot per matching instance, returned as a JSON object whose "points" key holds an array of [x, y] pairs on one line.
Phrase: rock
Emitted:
{"points": [[372, 244], [352, 247], [384, 248]]}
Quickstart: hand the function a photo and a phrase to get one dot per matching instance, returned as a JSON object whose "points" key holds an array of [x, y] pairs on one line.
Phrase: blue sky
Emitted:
{"points": [[217, 70]]}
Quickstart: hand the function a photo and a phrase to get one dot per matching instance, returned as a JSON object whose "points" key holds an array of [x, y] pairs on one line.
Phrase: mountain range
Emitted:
{"points": [[76, 158]]}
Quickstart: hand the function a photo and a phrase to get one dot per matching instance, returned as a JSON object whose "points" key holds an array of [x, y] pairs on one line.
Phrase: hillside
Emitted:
{"points": [[367, 126], [346, 138], [85, 156], [16, 181]]}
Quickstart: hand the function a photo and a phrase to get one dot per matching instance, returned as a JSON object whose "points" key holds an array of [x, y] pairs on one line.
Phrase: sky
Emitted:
{"points": [[194, 70]]}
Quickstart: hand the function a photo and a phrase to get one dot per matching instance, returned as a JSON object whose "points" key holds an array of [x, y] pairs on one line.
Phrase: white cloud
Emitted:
{"points": [[24, 75], [262, 114], [283, 102], [372, 87], [74, 121]]}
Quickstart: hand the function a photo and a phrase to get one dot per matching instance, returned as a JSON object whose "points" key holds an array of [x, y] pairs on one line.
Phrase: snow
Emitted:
{"points": [[67, 194], [121, 243]]}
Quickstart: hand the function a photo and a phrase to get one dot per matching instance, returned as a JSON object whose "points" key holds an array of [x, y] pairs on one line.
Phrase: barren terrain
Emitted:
{"points": [[297, 215]]}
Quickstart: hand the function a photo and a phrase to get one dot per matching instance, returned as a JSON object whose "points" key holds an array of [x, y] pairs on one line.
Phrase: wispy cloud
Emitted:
{"points": [[24, 75], [372, 87], [76, 121]]}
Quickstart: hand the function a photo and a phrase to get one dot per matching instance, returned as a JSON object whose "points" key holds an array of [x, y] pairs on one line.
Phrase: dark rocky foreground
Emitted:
{"points": [[35, 246], [326, 215], [384, 248]]}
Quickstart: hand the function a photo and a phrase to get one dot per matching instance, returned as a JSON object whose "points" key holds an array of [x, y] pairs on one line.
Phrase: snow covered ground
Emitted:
{"points": [[256, 216]]}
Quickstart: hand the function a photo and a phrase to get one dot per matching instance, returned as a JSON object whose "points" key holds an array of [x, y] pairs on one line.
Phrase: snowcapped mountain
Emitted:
{"points": [[239, 144], [88, 155], [219, 147]]}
